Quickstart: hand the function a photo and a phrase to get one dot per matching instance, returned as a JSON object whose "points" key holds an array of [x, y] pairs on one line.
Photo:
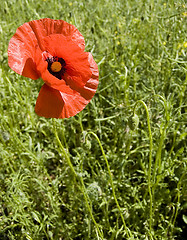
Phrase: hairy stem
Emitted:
{"points": [[79, 178], [112, 184], [150, 161]]}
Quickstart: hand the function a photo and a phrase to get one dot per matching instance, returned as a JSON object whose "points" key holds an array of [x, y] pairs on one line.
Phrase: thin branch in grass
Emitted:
{"points": [[78, 177], [112, 185], [150, 160]]}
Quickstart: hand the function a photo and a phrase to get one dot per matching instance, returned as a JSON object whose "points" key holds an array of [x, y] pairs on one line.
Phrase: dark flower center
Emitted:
{"points": [[56, 66]]}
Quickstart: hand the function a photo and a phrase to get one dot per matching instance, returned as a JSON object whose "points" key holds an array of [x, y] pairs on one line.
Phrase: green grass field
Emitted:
{"points": [[117, 170]]}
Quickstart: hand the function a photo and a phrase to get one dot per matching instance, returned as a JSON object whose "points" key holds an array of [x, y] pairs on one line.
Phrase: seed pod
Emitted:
{"points": [[133, 121]]}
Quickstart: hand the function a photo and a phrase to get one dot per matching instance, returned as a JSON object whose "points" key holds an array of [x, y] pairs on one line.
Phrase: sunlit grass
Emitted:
{"points": [[140, 48]]}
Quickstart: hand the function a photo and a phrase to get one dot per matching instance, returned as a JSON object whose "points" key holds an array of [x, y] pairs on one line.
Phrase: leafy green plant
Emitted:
{"points": [[125, 180]]}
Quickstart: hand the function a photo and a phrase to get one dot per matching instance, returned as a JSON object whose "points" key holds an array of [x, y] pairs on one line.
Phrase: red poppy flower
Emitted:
{"points": [[54, 51]]}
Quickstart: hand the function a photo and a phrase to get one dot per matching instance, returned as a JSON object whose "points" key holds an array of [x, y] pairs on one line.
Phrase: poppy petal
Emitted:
{"points": [[68, 84], [80, 65], [21, 52], [52, 103], [32, 51], [48, 78], [89, 89], [22, 45], [91, 85], [46, 26], [77, 65]]}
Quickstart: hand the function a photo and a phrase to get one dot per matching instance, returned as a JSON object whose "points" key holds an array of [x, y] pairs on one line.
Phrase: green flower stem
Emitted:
{"points": [[112, 184], [150, 161], [178, 196], [78, 178], [89, 208], [157, 166], [63, 150]]}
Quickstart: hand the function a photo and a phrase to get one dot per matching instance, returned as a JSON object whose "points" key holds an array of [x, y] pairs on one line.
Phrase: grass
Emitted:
{"points": [[117, 170]]}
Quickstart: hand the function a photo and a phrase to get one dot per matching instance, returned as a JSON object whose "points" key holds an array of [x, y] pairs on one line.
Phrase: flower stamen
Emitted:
{"points": [[56, 67]]}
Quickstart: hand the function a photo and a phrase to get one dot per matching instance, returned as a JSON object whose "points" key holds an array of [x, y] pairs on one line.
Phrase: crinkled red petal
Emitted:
{"points": [[45, 27], [48, 78], [21, 49], [77, 66], [49, 102], [85, 82], [89, 89], [91, 85], [52, 103], [46, 37]]}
